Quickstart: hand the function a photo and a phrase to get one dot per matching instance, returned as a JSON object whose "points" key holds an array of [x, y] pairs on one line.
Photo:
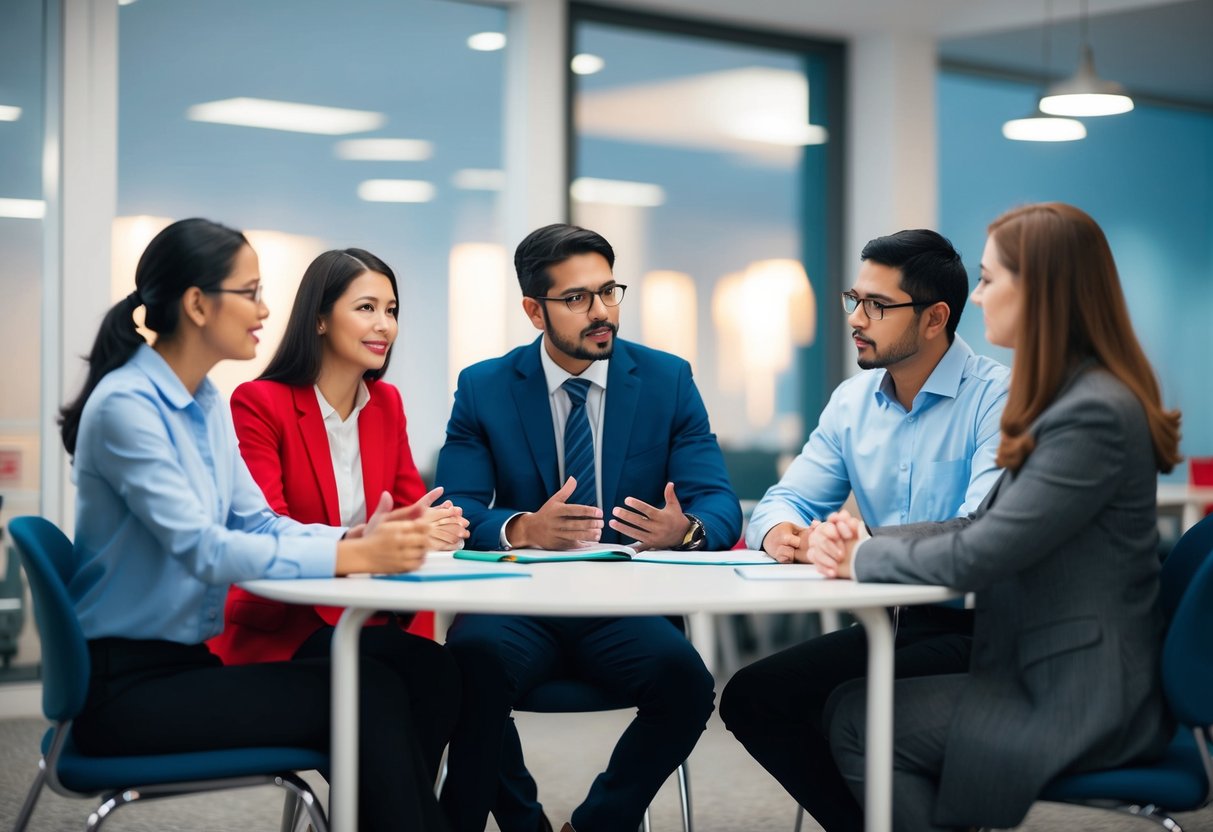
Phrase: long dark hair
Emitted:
{"points": [[1073, 308], [297, 360], [193, 252]]}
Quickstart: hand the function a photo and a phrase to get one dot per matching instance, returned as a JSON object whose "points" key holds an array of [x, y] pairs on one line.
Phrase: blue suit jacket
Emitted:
{"points": [[500, 451]]}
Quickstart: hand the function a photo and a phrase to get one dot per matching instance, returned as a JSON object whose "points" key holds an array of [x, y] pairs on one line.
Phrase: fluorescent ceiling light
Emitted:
{"points": [[479, 179], [586, 64], [23, 209], [1043, 128], [125, 2], [384, 150], [617, 192], [777, 128], [487, 41], [9, 113], [396, 190], [286, 115]]}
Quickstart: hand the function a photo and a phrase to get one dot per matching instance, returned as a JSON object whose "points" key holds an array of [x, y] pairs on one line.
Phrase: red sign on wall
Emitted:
{"points": [[10, 467]]}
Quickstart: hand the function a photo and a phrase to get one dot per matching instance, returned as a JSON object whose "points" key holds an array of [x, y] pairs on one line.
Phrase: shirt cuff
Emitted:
{"points": [[505, 541], [316, 557]]}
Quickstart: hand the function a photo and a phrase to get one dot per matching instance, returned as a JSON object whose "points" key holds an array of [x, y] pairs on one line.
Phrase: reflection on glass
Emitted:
{"points": [[691, 159]]}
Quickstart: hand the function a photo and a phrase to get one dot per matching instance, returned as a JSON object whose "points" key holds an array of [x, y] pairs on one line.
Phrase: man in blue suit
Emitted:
{"points": [[575, 439]]}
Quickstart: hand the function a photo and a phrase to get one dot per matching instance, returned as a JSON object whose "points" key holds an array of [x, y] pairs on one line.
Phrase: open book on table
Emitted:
{"points": [[616, 551]]}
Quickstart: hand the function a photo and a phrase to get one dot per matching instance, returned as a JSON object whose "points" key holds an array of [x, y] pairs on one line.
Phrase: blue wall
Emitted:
{"points": [[1146, 177]]}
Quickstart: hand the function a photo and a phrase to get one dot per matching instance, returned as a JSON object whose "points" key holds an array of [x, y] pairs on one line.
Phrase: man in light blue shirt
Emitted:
{"points": [[914, 437]]}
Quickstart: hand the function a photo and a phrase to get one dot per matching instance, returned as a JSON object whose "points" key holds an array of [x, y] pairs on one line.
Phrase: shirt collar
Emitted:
{"points": [[329, 413], [153, 365], [944, 380], [556, 375]]}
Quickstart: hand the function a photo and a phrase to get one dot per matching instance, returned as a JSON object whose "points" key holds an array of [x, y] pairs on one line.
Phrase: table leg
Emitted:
{"points": [[703, 636], [1191, 514], [343, 748], [878, 757]]}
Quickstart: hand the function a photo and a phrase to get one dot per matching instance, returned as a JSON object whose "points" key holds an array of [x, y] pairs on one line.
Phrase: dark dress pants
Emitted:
{"points": [[645, 661], [776, 706], [155, 697]]}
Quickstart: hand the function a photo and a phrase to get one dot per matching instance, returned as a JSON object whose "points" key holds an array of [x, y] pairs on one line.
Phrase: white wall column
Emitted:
{"points": [[892, 158], [80, 175], [536, 154]]}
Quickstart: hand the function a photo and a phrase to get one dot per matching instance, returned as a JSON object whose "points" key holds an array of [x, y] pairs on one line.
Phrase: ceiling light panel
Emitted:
{"points": [[286, 115], [384, 150], [22, 209], [9, 113], [396, 190], [487, 41]]}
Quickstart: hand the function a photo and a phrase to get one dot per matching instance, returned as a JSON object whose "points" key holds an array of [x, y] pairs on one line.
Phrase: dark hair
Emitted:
{"points": [[550, 245], [1073, 308], [931, 269], [193, 252], [297, 360]]}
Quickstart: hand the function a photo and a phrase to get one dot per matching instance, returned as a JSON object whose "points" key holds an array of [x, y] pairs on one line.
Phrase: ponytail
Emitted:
{"points": [[193, 252], [117, 341]]}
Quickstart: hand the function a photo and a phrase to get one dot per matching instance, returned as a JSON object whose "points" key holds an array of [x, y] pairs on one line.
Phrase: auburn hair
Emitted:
{"points": [[1073, 310]]}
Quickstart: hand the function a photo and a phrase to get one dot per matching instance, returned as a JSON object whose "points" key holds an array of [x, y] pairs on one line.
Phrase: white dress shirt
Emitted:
{"points": [[345, 448], [595, 404]]}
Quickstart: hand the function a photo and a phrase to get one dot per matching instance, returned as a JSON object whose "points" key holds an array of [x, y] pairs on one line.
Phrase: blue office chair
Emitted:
{"points": [[47, 556], [1182, 780]]}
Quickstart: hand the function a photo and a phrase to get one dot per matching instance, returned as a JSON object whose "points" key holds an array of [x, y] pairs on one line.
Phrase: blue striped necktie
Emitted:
{"points": [[579, 444]]}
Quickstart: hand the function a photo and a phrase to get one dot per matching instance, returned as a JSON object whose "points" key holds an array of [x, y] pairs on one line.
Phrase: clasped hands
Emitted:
{"points": [[561, 525], [396, 540], [827, 545]]}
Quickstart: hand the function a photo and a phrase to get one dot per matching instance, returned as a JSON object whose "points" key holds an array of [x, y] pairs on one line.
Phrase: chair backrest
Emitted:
{"points": [[1187, 672], [47, 556], [1200, 472], [1180, 566]]}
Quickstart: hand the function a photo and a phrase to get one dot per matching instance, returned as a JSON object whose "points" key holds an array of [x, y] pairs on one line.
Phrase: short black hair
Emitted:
{"points": [[550, 245], [931, 268]]}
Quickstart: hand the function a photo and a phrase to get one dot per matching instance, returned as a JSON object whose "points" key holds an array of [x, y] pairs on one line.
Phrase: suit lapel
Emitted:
{"points": [[373, 446], [530, 390], [316, 441], [622, 399]]}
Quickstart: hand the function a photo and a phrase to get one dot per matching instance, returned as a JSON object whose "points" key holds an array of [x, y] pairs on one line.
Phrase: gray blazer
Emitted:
{"points": [[1062, 554]]}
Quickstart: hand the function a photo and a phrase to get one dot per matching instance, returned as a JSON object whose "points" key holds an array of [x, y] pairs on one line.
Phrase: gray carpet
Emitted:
{"points": [[731, 793]]}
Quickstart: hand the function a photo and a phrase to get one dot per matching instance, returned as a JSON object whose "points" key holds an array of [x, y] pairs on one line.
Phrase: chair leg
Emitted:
{"points": [[290, 811], [108, 807], [442, 772], [684, 793], [31, 799], [646, 825], [799, 818], [301, 796]]}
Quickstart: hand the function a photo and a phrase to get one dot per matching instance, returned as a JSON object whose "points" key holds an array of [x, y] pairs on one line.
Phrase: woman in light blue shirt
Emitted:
{"points": [[168, 517]]}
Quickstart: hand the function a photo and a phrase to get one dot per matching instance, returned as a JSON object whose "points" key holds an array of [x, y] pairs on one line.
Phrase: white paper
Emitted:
{"points": [[781, 572]]}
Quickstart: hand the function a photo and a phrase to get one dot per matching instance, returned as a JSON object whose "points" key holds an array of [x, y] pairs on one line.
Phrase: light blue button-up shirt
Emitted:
{"points": [[167, 514], [932, 463]]}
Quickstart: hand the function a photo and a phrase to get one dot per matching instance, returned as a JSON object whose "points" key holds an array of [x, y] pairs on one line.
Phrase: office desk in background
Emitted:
{"points": [[1189, 499], [615, 589]]}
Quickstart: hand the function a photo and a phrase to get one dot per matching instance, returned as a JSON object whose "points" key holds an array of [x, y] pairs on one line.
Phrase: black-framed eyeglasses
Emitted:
{"points": [[873, 308], [582, 301], [253, 294]]}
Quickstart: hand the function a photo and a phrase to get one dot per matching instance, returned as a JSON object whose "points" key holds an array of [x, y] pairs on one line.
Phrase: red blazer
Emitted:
{"points": [[284, 443]]}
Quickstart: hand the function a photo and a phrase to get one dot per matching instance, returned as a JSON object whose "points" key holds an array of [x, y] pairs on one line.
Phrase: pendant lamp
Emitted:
{"points": [[1038, 126], [1085, 93]]}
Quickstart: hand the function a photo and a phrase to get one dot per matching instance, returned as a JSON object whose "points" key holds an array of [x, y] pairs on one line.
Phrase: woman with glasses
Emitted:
{"points": [[325, 438], [1062, 554], [167, 518]]}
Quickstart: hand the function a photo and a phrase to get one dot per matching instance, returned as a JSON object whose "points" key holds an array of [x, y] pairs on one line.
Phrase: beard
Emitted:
{"points": [[905, 347], [575, 349]]}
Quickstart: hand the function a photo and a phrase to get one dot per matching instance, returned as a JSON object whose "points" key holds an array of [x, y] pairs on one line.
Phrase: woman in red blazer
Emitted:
{"points": [[313, 463]]}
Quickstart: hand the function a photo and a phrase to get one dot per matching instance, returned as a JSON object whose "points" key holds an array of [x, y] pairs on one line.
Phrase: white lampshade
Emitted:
{"points": [[1085, 93], [1039, 127]]}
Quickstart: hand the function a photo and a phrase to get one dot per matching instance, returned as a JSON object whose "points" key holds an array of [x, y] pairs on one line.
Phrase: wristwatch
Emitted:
{"points": [[695, 537]]}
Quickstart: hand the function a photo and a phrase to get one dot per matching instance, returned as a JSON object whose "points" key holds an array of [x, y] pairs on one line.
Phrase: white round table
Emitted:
{"points": [[616, 588]]}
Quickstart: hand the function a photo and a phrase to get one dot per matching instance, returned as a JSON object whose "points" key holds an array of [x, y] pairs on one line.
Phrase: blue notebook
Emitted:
{"points": [[422, 575]]}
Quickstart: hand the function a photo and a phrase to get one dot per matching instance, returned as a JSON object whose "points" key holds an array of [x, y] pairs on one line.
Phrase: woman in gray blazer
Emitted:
{"points": [[1062, 555]]}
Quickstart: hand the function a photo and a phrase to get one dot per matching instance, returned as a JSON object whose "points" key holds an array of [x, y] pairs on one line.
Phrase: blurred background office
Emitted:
{"points": [[737, 156]]}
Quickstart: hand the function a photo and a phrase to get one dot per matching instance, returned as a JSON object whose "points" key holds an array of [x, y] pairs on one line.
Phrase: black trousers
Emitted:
{"points": [[776, 706], [153, 697]]}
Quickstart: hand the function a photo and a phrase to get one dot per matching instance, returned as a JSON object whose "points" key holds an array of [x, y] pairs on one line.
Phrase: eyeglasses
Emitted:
{"points": [[253, 294], [873, 308], [582, 301]]}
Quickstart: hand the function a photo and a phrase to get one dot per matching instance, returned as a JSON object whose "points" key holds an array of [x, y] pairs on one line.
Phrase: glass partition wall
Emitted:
{"points": [[22, 212], [711, 159]]}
